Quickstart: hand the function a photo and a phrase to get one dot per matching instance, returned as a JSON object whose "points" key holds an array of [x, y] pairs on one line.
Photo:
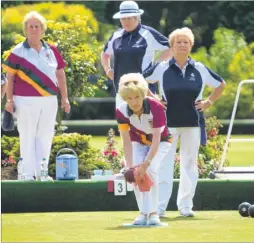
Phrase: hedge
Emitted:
{"points": [[83, 195], [101, 127], [89, 158]]}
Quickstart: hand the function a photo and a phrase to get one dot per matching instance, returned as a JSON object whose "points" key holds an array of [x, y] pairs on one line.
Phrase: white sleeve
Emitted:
{"points": [[108, 48], [159, 41], [209, 77], [154, 73]]}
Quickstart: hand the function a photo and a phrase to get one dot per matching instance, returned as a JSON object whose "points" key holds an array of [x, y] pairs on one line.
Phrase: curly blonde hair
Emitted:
{"points": [[34, 15], [132, 82], [183, 31]]}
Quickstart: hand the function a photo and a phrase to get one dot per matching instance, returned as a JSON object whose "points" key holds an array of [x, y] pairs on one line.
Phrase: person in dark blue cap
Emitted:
{"points": [[132, 47]]}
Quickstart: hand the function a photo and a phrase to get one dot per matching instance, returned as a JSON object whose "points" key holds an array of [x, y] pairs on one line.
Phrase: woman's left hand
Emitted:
{"points": [[202, 105], [65, 104]]}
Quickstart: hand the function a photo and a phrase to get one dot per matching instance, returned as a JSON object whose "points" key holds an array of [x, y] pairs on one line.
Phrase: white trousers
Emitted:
{"points": [[119, 100], [148, 201], [189, 147], [36, 117]]}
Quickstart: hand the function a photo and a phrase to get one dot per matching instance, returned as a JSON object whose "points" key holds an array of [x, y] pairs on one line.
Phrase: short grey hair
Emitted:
{"points": [[34, 15]]}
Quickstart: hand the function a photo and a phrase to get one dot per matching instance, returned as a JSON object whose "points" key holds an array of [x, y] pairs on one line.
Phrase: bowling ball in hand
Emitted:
{"points": [[129, 175]]}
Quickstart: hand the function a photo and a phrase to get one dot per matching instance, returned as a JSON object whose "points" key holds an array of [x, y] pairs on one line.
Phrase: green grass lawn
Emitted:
{"points": [[239, 153], [100, 141], [207, 226]]}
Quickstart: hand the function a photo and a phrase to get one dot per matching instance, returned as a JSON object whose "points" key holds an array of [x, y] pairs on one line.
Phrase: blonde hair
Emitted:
{"points": [[34, 15], [132, 82], [183, 31]]}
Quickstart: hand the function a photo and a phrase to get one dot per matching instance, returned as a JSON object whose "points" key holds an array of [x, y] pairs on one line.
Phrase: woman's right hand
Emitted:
{"points": [[9, 106], [110, 74]]}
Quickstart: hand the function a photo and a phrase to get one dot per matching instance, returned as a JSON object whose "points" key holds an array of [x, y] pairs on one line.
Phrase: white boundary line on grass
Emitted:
{"points": [[241, 140]]}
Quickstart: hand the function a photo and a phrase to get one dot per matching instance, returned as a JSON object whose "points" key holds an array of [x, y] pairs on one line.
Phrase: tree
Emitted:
{"points": [[237, 15], [224, 106], [77, 44], [242, 64], [80, 49], [12, 17], [227, 44], [231, 58], [203, 17], [220, 55]]}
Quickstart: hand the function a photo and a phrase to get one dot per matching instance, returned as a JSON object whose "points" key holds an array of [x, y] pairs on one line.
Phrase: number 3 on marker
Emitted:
{"points": [[119, 187]]}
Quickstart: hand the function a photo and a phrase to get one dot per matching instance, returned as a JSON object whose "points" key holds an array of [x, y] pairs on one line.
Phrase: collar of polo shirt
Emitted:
{"points": [[26, 45], [146, 107], [133, 32], [189, 61]]}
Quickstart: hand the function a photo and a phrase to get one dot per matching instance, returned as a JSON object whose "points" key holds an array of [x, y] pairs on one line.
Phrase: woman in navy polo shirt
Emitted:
{"points": [[182, 82], [132, 46]]}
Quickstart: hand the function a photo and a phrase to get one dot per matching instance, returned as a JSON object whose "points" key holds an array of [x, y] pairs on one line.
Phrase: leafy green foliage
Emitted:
{"points": [[10, 148], [77, 43], [224, 106], [231, 58], [220, 55], [203, 17], [112, 156], [242, 64], [89, 158], [12, 17]]}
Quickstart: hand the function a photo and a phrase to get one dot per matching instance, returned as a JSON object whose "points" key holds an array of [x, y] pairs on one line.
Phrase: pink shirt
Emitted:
{"points": [[35, 73]]}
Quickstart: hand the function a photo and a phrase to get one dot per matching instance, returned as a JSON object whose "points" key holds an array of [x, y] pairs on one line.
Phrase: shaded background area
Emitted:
{"points": [[203, 17], [224, 41]]}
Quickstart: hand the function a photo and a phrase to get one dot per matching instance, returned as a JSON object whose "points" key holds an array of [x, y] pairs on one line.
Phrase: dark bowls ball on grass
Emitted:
{"points": [[243, 209], [251, 211]]}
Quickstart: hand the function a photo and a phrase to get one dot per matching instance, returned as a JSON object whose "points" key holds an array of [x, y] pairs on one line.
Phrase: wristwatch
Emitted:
{"points": [[110, 69], [210, 101]]}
